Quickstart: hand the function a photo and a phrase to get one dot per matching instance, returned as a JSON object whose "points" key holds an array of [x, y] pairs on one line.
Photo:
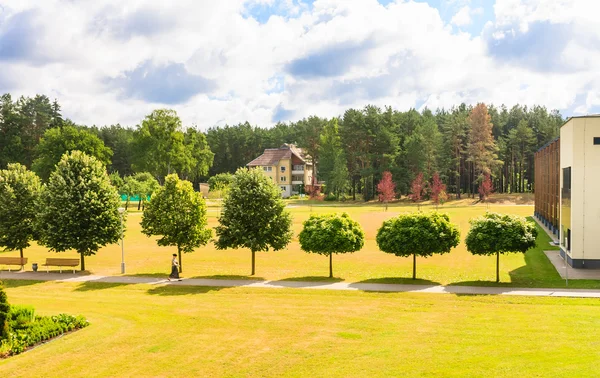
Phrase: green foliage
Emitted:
{"points": [[19, 191], [500, 233], [116, 180], [27, 330], [178, 214], [253, 215], [159, 144], [78, 207], [418, 234], [199, 156], [4, 313], [331, 233], [421, 234], [220, 181], [57, 141]]}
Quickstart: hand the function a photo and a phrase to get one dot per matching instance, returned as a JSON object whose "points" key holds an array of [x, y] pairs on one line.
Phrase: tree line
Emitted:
{"points": [[461, 145], [253, 217]]}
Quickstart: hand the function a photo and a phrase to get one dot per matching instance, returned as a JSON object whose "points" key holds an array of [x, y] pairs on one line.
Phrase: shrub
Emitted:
{"points": [[4, 314], [220, 181], [331, 233], [418, 234], [496, 233], [330, 197]]}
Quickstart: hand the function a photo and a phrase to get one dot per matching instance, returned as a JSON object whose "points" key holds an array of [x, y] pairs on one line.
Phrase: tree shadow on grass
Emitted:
{"points": [[176, 290], [8, 283], [92, 286]]}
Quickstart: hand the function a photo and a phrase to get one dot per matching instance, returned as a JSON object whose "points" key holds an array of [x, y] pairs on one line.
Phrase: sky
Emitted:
{"points": [[264, 61]]}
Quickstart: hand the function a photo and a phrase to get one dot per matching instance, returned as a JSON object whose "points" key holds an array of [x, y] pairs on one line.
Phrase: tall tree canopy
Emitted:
{"points": [[177, 214], [78, 208], [19, 192], [253, 215], [57, 141]]}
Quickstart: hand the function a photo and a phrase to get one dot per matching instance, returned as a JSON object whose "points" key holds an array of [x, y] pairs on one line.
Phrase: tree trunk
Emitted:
{"points": [[253, 262], [82, 261], [497, 266], [22, 266], [458, 178], [179, 253], [353, 188], [414, 266], [331, 265], [140, 203]]}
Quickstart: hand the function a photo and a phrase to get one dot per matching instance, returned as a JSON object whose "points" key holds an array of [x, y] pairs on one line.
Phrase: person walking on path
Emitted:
{"points": [[174, 268]]}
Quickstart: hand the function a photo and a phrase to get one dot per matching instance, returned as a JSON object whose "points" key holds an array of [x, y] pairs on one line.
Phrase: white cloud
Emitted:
{"points": [[338, 54]]}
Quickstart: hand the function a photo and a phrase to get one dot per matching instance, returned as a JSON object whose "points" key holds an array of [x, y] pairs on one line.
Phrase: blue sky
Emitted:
{"points": [[265, 61]]}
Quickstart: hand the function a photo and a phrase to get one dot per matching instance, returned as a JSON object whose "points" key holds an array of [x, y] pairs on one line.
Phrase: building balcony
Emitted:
{"points": [[297, 182], [298, 172]]}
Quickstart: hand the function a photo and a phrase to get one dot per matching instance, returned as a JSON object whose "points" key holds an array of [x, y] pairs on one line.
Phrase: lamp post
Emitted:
{"points": [[121, 211]]}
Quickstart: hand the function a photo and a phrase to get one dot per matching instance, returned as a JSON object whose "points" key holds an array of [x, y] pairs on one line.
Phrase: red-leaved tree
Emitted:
{"points": [[437, 187], [416, 189], [485, 188], [386, 189]]}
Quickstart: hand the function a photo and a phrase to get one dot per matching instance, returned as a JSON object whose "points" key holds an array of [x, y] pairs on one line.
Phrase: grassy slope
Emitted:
{"points": [[144, 257], [143, 330]]}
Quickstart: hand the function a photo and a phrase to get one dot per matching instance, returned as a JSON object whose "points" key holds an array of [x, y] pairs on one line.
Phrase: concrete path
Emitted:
{"points": [[436, 289]]}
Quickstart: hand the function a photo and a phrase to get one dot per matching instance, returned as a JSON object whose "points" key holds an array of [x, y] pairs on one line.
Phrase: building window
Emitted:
{"points": [[283, 178], [283, 188], [596, 140], [267, 169], [282, 169], [298, 168]]}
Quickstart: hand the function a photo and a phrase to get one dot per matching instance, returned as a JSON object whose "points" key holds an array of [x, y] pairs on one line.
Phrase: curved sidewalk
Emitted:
{"points": [[398, 288]]}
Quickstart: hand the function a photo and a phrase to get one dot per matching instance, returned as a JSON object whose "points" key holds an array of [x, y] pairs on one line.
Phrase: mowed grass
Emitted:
{"points": [[144, 257], [167, 331]]}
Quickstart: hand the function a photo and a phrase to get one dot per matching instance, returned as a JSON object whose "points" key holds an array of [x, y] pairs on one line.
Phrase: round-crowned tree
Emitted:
{"points": [[418, 234], [178, 214], [79, 207], [493, 234], [19, 192], [4, 311], [253, 215], [327, 234]]}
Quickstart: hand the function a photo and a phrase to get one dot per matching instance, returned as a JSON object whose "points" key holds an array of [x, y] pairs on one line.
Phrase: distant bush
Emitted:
{"points": [[220, 181], [330, 197]]}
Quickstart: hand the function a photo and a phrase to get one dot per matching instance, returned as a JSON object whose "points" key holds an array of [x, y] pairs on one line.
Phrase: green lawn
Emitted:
{"points": [[162, 331], [144, 257]]}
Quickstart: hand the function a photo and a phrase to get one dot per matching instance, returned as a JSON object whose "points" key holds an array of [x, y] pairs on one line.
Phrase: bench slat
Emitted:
{"points": [[13, 260], [61, 262]]}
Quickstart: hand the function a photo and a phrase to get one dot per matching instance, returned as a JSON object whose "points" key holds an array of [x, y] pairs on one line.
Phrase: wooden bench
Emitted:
{"points": [[61, 262], [13, 261]]}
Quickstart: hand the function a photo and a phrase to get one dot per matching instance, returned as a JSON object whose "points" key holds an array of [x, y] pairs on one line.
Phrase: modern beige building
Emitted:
{"points": [[580, 191], [288, 166]]}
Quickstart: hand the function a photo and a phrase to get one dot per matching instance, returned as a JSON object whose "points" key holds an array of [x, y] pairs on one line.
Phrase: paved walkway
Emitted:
{"points": [[436, 289]]}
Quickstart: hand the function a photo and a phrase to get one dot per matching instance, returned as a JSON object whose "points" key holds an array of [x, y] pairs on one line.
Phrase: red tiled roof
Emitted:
{"points": [[271, 156]]}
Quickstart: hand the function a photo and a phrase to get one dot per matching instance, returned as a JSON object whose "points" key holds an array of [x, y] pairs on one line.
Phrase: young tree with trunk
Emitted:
{"points": [[493, 234], [19, 192], [178, 214], [481, 149], [485, 188], [416, 189], [253, 215], [437, 188], [79, 207], [331, 233], [418, 234], [386, 189]]}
